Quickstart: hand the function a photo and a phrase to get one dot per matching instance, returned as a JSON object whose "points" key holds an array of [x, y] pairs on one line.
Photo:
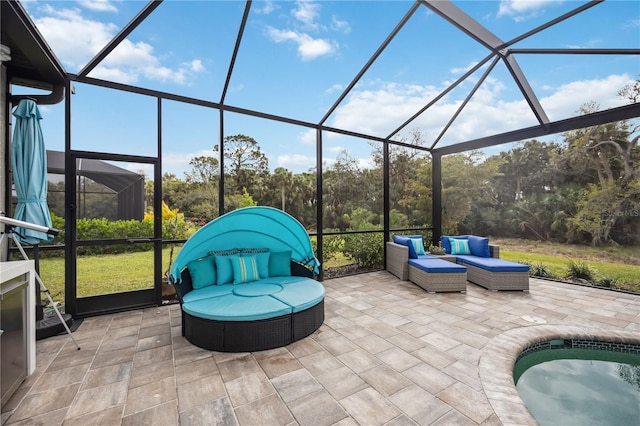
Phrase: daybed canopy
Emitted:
{"points": [[250, 227]]}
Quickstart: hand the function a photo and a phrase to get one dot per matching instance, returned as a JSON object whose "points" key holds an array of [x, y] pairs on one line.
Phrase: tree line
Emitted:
{"points": [[583, 188]]}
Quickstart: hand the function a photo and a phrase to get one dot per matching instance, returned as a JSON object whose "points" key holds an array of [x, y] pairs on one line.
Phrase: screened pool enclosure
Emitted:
{"points": [[249, 114]]}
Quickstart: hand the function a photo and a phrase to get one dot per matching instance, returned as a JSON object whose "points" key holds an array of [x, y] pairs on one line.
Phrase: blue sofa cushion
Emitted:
{"points": [[444, 242], [406, 241], [493, 264], [237, 308], [438, 266], [479, 246]]}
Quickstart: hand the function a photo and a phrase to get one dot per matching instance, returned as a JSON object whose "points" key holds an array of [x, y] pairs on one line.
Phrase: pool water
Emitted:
{"points": [[580, 387]]}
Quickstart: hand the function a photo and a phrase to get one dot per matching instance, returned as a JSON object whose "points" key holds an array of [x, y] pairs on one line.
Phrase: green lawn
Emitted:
{"points": [[132, 271], [621, 263]]}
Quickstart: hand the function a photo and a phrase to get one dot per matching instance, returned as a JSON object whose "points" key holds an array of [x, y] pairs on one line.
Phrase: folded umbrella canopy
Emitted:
{"points": [[29, 167]]}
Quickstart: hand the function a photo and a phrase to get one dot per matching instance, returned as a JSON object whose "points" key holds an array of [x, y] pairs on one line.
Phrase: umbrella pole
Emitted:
{"points": [[39, 307], [46, 291]]}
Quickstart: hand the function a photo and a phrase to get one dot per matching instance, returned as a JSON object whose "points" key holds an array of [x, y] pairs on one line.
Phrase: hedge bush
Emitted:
{"points": [[365, 249]]}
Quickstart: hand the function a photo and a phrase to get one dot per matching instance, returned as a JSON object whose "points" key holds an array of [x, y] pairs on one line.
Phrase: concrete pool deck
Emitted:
{"points": [[388, 353]]}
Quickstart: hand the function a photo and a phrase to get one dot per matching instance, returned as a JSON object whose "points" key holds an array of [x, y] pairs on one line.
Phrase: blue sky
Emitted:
{"points": [[297, 57]]}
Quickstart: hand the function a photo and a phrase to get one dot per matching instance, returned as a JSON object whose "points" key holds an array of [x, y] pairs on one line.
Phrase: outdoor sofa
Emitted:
{"points": [[429, 272], [483, 265], [245, 282]]}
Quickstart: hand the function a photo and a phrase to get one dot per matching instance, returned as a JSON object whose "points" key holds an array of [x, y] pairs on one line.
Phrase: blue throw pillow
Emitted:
{"points": [[459, 246], [203, 272], [406, 241], [444, 242], [280, 263], [245, 269], [418, 245], [479, 246], [262, 257], [224, 270]]}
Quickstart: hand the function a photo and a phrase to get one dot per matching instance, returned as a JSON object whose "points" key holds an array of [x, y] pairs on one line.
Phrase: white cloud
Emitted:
{"points": [[98, 5], [76, 40], [521, 10], [307, 12], [308, 137], [340, 25], [268, 7], [296, 161], [196, 65], [308, 47], [335, 88], [378, 111], [568, 98]]}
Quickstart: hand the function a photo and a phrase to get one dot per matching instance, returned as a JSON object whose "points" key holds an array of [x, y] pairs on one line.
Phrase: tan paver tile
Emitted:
{"points": [[368, 407]]}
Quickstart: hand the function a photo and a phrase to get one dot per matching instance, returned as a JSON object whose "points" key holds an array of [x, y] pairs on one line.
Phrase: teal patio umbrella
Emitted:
{"points": [[29, 168]]}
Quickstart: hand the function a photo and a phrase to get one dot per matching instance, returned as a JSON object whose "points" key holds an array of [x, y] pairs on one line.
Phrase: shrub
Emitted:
{"points": [[365, 249], [608, 282], [580, 270], [537, 269]]}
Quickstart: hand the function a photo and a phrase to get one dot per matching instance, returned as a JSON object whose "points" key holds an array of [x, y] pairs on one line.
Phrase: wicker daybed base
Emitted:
{"points": [[249, 336], [498, 281], [438, 282]]}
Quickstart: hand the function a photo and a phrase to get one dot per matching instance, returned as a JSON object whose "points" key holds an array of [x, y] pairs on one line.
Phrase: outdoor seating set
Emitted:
{"points": [[245, 282], [467, 258]]}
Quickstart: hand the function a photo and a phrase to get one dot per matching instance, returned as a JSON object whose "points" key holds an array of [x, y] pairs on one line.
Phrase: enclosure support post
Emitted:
{"points": [[319, 207], [436, 201], [386, 196]]}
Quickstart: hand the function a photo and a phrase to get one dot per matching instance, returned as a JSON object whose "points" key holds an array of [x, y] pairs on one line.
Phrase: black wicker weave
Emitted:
{"points": [[249, 336]]}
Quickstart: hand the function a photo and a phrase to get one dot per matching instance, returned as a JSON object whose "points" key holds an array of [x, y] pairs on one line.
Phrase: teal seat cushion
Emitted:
{"points": [[283, 280], [207, 292], [257, 289], [493, 264], [231, 307], [436, 266], [301, 295]]}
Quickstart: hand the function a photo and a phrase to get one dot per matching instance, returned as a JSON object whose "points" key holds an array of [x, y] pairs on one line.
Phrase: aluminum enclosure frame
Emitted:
{"points": [[46, 71]]}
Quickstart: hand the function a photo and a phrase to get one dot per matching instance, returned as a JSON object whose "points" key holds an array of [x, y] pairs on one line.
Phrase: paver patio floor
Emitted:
{"points": [[388, 353]]}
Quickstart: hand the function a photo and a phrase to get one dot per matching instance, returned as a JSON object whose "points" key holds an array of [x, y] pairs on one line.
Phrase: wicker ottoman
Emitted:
{"points": [[437, 275]]}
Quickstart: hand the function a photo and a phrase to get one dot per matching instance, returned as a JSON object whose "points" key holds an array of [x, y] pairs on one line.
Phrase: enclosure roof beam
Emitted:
{"points": [[625, 112], [128, 29], [236, 49]]}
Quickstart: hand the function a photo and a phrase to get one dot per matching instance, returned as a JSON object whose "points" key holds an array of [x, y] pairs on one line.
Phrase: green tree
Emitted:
{"points": [[244, 163]]}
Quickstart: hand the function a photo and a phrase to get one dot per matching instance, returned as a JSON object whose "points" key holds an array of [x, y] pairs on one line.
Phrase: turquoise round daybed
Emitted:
{"points": [[245, 282]]}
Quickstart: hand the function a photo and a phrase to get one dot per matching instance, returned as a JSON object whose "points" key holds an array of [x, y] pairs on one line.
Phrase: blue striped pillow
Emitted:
{"points": [[459, 246], [245, 269]]}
